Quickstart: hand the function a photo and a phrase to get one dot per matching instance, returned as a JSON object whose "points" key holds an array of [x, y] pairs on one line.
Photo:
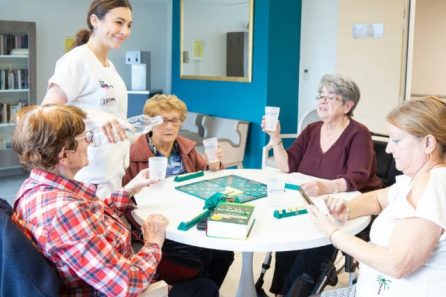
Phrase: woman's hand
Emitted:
{"points": [[154, 229], [321, 220], [322, 187], [214, 166], [109, 124], [274, 135], [316, 187], [337, 207], [140, 181]]}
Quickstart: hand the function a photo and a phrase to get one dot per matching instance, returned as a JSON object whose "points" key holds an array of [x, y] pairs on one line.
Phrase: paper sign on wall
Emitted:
{"points": [[368, 31], [198, 49]]}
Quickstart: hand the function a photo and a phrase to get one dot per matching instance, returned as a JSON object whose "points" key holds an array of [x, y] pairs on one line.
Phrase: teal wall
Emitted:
{"points": [[274, 75]]}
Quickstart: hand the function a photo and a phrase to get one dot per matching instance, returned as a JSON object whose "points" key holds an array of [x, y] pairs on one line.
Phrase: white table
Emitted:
{"points": [[267, 234]]}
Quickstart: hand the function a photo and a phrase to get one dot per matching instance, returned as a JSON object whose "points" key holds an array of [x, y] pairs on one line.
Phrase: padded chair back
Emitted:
{"points": [[308, 118], [228, 129], [23, 270], [192, 123], [232, 135], [385, 164]]}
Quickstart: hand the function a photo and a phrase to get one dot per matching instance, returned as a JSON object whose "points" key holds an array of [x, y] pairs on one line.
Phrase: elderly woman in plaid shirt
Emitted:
{"points": [[82, 235]]}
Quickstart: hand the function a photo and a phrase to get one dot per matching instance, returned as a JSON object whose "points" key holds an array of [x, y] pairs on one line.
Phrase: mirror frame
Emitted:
{"points": [[247, 78]]}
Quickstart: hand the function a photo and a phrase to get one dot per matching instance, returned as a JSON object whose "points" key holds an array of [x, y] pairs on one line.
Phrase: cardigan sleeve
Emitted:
{"points": [[359, 162], [297, 150]]}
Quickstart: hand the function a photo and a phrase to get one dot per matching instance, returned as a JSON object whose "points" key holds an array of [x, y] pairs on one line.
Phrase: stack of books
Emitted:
{"points": [[8, 42], [231, 220], [8, 111]]}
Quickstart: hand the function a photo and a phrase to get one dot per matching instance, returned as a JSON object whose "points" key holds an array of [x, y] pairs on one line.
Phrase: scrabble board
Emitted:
{"points": [[249, 189]]}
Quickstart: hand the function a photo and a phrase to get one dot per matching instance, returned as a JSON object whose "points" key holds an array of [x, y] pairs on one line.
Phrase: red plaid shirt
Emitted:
{"points": [[84, 236]]}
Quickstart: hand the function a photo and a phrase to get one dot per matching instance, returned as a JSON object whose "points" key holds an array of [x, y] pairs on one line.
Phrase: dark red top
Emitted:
{"points": [[351, 157]]}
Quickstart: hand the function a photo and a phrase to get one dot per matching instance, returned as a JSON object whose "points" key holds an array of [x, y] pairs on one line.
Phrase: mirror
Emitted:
{"points": [[216, 39]]}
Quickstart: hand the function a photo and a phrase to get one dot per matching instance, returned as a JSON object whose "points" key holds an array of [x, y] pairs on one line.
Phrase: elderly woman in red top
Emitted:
{"points": [[164, 140], [82, 235], [337, 149]]}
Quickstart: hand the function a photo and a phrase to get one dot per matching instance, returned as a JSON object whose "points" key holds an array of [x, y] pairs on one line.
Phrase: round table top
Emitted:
{"points": [[267, 234]]}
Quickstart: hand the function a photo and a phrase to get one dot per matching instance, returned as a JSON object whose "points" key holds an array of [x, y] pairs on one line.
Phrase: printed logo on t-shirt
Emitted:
{"points": [[383, 284], [108, 101], [105, 85]]}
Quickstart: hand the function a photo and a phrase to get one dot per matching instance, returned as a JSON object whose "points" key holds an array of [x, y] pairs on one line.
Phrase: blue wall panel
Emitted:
{"points": [[246, 101]]}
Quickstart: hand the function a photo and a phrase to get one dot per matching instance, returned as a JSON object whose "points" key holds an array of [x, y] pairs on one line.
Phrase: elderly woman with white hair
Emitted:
{"points": [[337, 149]]}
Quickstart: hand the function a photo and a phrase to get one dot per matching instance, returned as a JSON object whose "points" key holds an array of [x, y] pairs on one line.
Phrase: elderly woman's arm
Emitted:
{"points": [[82, 239], [413, 237], [280, 154], [411, 244]]}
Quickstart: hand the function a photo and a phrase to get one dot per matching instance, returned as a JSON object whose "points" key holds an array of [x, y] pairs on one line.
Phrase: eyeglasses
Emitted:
{"points": [[174, 121], [328, 98], [88, 137]]}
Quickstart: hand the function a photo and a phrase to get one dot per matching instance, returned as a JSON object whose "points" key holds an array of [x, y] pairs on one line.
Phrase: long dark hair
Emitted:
{"points": [[99, 8]]}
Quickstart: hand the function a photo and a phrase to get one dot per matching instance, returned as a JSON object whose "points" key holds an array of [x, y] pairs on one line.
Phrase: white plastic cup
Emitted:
{"points": [[210, 148], [275, 188], [157, 168], [271, 117]]}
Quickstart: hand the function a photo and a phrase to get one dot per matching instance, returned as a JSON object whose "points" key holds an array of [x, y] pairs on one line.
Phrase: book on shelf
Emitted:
{"points": [[14, 79], [8, 42], [8, 111], [19, 52], [231, 220]]}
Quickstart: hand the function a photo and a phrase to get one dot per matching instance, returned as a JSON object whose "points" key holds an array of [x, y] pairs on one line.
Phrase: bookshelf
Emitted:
{"points": [[17, 83]]}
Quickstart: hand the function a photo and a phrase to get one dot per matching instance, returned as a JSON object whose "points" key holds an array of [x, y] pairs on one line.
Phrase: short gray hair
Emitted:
{"points": [[342, 86]]}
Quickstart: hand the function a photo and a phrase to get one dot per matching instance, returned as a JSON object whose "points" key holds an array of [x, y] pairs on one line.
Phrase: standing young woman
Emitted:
{"points": [[86, 78]]}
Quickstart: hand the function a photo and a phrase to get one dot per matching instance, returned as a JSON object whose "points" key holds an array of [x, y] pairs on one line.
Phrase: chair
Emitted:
{"points": [[192, 128], [308, 118], [267, 159], [24, 271], [232, 135], [385, 164]]}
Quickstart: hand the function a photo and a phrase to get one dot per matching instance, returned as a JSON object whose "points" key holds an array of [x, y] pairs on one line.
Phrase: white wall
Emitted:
{"points": [[317, 49], [57, 20], [429, 64], [210, 22]]}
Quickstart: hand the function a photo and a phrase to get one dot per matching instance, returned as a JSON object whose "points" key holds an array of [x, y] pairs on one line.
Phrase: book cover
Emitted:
{"points": [[231, 220]]}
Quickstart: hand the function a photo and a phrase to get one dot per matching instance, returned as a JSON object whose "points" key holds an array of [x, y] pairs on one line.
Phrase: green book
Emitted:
{"points": [[231, 220]]}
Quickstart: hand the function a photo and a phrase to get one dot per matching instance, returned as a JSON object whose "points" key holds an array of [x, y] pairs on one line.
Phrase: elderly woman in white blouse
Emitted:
{"points": [[406, 255]]}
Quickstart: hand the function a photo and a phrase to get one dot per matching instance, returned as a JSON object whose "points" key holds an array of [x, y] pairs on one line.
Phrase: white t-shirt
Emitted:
{"points": [[91, 86], [430, 279]]}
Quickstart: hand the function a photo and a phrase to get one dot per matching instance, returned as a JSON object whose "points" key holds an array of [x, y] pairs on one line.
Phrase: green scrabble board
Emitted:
{"points": [[204, 189]]}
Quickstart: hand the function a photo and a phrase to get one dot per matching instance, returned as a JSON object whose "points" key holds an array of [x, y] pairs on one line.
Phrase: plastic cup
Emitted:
{"points": [[275, 188], [271, 117], [157, 168], [210, 148]]}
